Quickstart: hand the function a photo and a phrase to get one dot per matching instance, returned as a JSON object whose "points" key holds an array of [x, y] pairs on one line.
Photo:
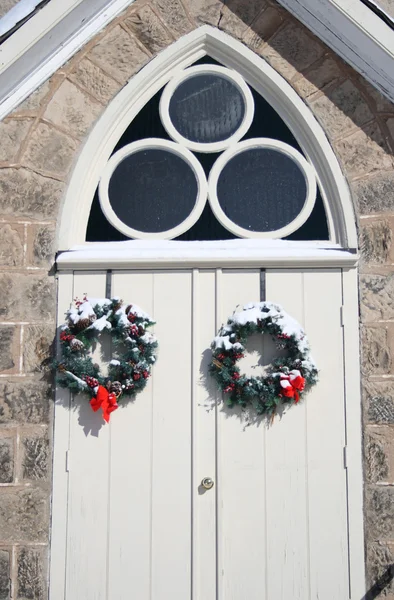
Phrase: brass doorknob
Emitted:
{"points": [[207, 483]]}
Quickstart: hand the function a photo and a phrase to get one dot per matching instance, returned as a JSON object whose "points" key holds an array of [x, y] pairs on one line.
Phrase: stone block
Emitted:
{"points": [[377, 297], [11, 245], [33, 103], [375, 194], [27, 297], [9, 348], [93, 79], [12, 133], [380, 559], [24, 514], [205, 11], [364, 152], [341, 109], [29, 195], [326, 72], [379, 454], [375, 241], [5, 574], [6, 460], [31, 568], [49, 150], [375, 351], [148, 28], [378, 401], [237, 16], [72, 110], [174, 15], [291, 50], [119, 55], [41, 245], [35, 455], [379, 512], [263, 27], [27, 401], [38, 348]]}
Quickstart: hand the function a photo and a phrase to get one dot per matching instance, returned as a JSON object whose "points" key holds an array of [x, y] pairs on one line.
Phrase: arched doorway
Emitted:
{"points": [[284, 518]]}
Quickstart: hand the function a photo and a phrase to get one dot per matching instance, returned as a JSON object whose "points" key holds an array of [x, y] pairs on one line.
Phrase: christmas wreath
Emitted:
{"points": [[286, 378], [134, 351]]}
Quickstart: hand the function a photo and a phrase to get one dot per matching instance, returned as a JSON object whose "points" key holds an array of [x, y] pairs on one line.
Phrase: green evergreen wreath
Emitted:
{"points": [[134, 347], [286, 377]]}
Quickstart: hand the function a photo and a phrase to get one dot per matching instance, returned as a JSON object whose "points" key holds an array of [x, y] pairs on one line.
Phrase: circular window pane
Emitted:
{"points": [[150, 187], [262, 187], [206, 108]]}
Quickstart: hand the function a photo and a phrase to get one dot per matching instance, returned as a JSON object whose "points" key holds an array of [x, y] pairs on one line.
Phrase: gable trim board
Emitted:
{"points": [[50, 38]]}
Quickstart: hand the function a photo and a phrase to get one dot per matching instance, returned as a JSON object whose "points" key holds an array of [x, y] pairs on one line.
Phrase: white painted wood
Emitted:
{"points": [[287, 551], [60, 476], [318, 459], [353, 433], [260, 75], [225, 253], [130, 534], [275, 524], [87, 544], [47, 41], [355, 33], [241, 466], [204, 393]]}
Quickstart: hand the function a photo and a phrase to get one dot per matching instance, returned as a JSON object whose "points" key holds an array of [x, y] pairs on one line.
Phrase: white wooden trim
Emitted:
{"points": [[229, 253], [353, 432], [304, 166], [232, 76], [153, 143], [355, 33], [257, 72], [47, 41], [60, 475]]}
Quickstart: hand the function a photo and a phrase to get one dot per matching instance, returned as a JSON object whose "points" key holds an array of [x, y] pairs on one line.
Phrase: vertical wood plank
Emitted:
{"points": [[204, 437], [129, 538], [60, 475], [287, 544], [326, 438], [241, 467], [354, 428], [171, 433], [88, 485]]}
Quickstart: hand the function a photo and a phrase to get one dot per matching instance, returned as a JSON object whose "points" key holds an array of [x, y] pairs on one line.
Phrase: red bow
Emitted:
{"points": [[105, 400], [292, 384]]}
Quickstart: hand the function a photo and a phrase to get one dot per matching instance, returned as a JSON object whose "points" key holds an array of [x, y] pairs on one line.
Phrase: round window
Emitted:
{"points": [[207, 108], [153, 188], [262, 188]]}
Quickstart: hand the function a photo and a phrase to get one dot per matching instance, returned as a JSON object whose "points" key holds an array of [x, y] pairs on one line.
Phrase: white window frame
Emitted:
{"points": [[304, 166], [156, 144], [233, 77]]}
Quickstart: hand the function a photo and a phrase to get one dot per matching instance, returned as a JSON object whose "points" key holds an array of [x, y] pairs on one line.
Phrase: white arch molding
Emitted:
{"points": [[260, 75]]}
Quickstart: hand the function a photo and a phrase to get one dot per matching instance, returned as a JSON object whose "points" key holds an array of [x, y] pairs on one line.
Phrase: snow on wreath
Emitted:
{"points": [[128, 372], [286, 378]]}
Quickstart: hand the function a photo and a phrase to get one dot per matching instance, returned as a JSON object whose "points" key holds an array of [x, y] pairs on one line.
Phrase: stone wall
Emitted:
{"points": [[41, 140]]}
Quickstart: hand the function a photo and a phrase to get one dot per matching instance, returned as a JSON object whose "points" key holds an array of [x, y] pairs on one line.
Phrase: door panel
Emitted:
{"points": [[274, 526]]}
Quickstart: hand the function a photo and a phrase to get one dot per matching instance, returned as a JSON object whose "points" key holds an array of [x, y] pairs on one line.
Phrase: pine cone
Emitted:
{"points": [[76, 345], [116, 388], [92, 318], [116, 305], [82, 324]]}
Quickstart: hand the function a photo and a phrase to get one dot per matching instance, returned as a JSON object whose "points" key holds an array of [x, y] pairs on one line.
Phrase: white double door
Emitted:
{"points": [[138, 525]]}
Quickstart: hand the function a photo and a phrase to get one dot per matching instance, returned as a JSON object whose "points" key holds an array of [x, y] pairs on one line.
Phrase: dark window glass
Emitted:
{"points": [[261, 189], [153, 190], [207, 108]]}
